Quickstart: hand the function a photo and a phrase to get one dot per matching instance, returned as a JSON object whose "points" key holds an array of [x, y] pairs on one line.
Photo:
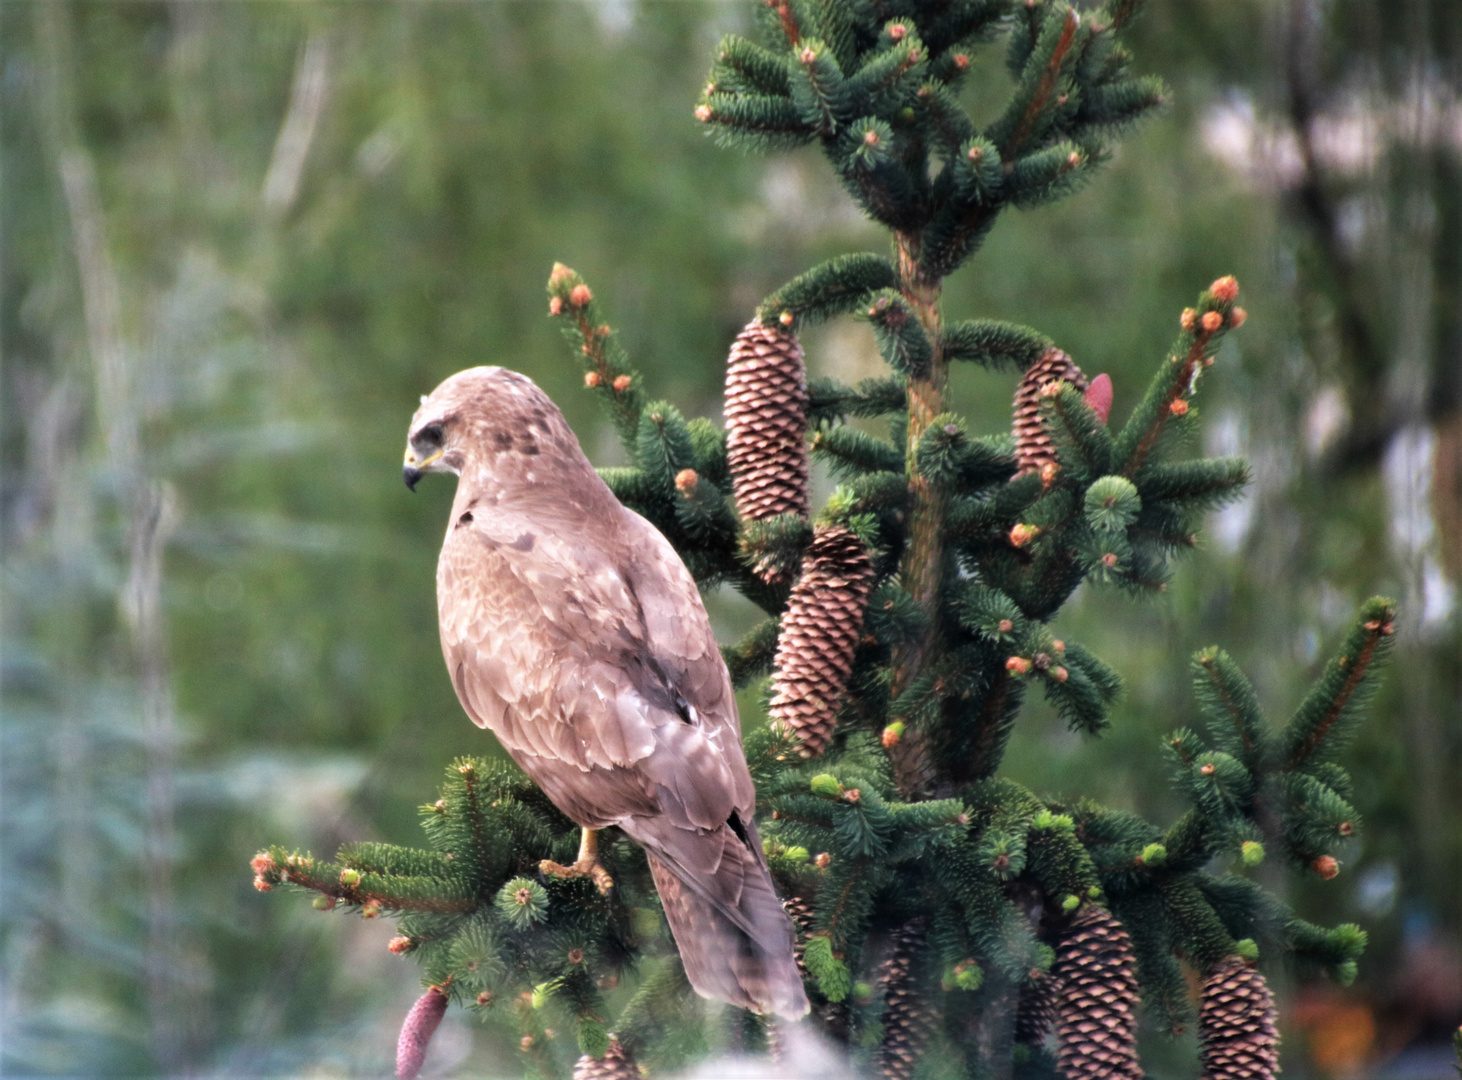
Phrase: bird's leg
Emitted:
{"points": [[587, 865]]}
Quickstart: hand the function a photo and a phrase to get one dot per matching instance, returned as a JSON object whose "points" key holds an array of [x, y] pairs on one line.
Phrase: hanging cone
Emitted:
{"points": [[766, 423], [819, 633], [421, 1023], [908, 1019], [775, 1048], [1236, 1029], [801, 913], [1035, 1016], [616, 1064], [1034, 449], [1096, 1011]]}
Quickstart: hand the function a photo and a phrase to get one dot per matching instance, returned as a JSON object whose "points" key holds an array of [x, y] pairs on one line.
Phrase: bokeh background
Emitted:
{"points": [[240, 238]]}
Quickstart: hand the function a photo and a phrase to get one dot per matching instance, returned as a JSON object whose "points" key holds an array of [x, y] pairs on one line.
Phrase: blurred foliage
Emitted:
{"points": [[305, 215]]}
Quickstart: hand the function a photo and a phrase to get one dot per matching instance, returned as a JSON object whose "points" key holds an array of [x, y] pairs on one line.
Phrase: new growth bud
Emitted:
{"points": [[826, 785], [1326, 866], [1021, 535], [1212, 320], [1225, 289], [580, 295], [1153, 855]]}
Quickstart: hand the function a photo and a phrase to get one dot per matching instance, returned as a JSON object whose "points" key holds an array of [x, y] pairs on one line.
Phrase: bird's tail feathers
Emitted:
{"points": [[734, 937]]}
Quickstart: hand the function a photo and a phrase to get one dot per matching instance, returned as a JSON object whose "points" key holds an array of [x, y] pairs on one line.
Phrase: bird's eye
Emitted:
{"points": [[429, 438]]}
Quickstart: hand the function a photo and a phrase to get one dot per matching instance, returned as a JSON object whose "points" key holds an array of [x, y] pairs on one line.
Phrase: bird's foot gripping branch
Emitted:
{"points": [[942, 911]]}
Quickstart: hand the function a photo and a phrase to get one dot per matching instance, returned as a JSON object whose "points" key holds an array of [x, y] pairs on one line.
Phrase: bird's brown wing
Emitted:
{"points": [[589, 654]]}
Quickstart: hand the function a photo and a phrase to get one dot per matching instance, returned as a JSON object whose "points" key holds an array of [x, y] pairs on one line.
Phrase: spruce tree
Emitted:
{"points": [[951, 922]]}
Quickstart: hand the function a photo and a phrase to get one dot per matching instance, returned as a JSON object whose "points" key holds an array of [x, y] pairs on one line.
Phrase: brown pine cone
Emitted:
{"points": [[1236, 1030], [766, 423], [801, 912], [908, 1018], [616, 1064], [1096, 1011], [1035, 1016], [819, 634], [421, 1023], [1034, 448]]}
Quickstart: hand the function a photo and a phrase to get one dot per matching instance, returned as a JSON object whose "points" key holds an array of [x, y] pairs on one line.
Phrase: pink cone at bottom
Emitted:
{"points": [[421, 1023]]}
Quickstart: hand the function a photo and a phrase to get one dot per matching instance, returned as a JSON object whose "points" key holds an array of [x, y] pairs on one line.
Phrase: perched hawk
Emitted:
{"points": [[576, 635]]}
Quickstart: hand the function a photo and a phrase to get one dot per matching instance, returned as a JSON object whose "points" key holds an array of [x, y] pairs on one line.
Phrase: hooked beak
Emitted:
{"points": [[412, 469]]}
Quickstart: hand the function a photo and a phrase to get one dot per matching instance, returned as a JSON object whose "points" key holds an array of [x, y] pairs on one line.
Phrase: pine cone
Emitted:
{"points": [[421, 1023], [616, 1064], [775, 1048], [1236, 1024], [766, 423], [1034, 449], [1036, 1014], [801, 913], [908, 1020], [819, 634], [1096, 1020]]}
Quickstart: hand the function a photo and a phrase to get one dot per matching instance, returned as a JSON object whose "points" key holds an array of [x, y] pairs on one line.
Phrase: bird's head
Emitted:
{"points": [[487, 416], [433, 441]]}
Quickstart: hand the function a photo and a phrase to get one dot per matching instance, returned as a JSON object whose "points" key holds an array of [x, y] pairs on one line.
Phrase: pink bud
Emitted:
{"points": [[421, 1023], [1099, 396]]}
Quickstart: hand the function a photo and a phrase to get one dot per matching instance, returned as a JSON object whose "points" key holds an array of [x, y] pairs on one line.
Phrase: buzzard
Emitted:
{"points": [[574, 633]]}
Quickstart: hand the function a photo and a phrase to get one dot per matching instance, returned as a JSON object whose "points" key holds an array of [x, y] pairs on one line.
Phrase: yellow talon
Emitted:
{"points": [[587, 864]]}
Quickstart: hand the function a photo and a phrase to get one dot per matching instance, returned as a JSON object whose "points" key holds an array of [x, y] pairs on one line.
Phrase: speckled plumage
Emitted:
{"points": [[575, 634]]}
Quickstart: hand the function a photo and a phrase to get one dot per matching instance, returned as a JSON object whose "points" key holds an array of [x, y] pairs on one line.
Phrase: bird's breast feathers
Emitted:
{"points": [[589, 651]]}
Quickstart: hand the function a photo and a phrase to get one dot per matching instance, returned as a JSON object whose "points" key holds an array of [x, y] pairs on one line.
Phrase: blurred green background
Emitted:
{"points": [[240, 238]]}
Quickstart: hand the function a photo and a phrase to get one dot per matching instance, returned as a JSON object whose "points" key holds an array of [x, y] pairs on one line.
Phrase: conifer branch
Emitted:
{"points": [[1166, 398], [1238, 716], [1376, 629], [1045, 88], [606, 368]]}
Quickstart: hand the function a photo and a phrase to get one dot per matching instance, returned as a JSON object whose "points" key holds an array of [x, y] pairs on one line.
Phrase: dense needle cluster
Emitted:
{"points": [[906, 622]]}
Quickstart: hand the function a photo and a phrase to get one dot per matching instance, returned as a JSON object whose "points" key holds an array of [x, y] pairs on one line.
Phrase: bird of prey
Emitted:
{"points": [[574, 633]]}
